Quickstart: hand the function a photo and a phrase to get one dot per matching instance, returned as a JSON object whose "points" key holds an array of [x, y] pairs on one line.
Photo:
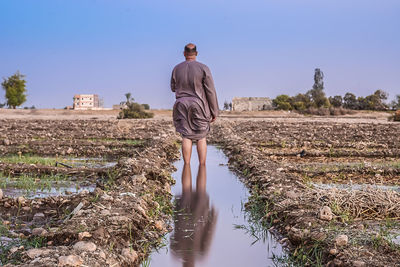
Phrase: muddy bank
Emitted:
{"points": [[338, 227], [115, 225]]}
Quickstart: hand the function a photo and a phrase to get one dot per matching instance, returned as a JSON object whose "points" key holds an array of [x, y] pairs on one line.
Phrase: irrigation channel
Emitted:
{"points": [[210, 224]]}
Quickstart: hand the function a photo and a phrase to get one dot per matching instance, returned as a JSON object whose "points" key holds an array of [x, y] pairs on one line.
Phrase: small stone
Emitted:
{"points": [[82, 235], [85, 246], [341, 240], [13, 250], [326, 214], [102, 255], [71, 260], [7, 205], [39, 232], [6, 142], [318, 236], [38, 217], [333, 251], [70, 150], [159, 225], [105, 212], [359, 264], [84, 192], [130, 254], [35, 252], [21, 201]]}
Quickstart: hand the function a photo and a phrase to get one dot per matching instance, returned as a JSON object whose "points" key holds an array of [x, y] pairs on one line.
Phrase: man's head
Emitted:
{"points": [[190, 51]]}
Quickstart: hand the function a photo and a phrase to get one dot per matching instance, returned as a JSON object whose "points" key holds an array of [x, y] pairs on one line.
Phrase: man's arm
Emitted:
{"points": [[208, 84], [173, 81]]}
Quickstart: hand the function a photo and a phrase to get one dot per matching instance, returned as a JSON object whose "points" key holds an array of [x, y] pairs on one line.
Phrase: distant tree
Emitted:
{"points": [[317, 93], [395, 105], [133, 110], [301, 102], [146, 106], [226, 105], [15, 90], [282, 102], [350, 101], [230, 105], [362, 103], [336, 101], [2, 105], [378, 100]]}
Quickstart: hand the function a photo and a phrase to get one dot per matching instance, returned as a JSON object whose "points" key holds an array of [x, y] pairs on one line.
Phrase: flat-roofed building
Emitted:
{"points": [[251, 103], [85, 102]]}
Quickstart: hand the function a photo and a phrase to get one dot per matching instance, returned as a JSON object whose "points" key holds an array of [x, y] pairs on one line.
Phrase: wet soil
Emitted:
{"points": [[281, 160], [127, 214], [115, 220]]}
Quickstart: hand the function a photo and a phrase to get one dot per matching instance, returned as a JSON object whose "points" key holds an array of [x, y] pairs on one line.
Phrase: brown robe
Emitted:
{"points": [[196, 100]]}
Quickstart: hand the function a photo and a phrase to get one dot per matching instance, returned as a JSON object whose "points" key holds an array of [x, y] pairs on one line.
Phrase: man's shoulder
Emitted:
{"points": [[196, 63]]}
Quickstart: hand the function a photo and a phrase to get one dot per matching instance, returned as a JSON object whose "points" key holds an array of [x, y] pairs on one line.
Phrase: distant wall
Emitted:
{"points": [[251, 103]]}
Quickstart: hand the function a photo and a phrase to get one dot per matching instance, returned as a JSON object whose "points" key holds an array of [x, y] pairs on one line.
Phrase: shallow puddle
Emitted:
{"points": [[54, 189], [209, 221]]}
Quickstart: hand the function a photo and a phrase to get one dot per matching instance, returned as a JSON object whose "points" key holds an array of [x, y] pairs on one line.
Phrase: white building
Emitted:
{"points": [[251, 103], [85, 102]]}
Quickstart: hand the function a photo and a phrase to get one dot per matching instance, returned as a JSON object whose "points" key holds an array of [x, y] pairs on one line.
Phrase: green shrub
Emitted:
{"points": [[134, 110]]}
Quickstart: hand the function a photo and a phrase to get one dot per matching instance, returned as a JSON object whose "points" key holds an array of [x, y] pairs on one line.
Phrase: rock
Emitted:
{"points": [[36, 252], [71, 260], [105, 212], [39, 232], [70, 150], [341, 240], [318, 236], [359, 264], [333, 251], [159, 225], [326, 214], [1, 194], [102, 255], [13, 250], [85, 246], [6, 142], [130, 254], [84, 192], [21, 201], [82, 235], [295, 235], [38, 217]]}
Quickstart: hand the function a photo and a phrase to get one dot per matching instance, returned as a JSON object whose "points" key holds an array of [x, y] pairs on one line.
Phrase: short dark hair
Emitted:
{"points": [[190, 48]]}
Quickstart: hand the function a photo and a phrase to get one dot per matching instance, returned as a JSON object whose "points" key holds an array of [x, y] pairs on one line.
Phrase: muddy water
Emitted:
{"points": [[208, 208]]}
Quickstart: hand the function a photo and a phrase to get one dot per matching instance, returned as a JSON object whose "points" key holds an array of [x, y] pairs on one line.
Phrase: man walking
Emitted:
{"points": [[196, 104]]}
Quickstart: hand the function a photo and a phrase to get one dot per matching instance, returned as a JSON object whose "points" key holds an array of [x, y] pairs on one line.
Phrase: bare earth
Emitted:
{"points": [[285, 159]]}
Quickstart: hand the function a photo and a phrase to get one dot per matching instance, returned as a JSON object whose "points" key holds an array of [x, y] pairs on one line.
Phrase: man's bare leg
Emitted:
{"points": [[202, 150], [186, 150]]}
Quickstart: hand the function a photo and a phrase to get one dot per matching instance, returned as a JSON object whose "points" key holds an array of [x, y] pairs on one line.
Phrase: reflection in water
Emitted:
{"points": [[195, 220], [198, 240]]}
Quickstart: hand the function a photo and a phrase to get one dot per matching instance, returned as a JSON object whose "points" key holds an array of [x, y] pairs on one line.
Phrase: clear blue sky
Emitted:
{"points": [[253, 47]]}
